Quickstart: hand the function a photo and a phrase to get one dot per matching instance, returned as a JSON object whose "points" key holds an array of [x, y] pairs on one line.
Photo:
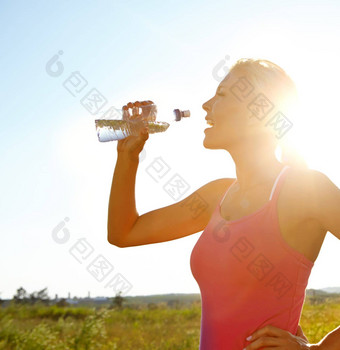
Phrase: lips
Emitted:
{"points": [[210, 122]]}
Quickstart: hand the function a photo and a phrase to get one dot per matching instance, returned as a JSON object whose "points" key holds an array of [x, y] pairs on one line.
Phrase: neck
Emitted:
{"points": [[255, 165]]}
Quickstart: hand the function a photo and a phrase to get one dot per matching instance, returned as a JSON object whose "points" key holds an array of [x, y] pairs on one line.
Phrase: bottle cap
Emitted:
{"points": [[186, 113], [181, 114]]}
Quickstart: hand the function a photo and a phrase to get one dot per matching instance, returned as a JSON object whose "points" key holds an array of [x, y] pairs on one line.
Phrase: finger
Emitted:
{"points": [[126, 113], [145, 133], [264, 342], [147, 102], [268, 330], [300, 333], [135, 111]]}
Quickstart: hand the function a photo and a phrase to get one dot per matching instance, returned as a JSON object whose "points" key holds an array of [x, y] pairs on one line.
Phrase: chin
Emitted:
{"points": [[207, 144], [212, 143]]}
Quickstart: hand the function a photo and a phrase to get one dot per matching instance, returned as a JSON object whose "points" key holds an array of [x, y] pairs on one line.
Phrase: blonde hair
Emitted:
{"points": [[270, 79]]}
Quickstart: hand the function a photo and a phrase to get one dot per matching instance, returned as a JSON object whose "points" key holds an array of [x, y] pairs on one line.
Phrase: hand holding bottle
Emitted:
{"points": [[133, 117], [145, 111], [132, 145]]}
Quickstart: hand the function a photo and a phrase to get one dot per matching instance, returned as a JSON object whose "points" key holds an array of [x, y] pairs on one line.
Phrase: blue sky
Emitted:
{"points": [[54, 166]]}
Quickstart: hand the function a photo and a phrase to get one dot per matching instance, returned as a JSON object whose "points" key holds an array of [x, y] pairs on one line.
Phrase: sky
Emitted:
{"points": [[56, 175]]}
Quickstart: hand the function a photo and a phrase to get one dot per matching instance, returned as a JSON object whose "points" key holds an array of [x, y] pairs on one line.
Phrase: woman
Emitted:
{"points": [[262, 231]]}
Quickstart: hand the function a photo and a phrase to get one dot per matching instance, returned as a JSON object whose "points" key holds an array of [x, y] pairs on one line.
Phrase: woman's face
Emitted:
{"points": [[229, 113]]}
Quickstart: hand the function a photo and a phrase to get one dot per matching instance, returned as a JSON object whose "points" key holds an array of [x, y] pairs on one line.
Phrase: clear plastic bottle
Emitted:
{"points": [[117, 124]]}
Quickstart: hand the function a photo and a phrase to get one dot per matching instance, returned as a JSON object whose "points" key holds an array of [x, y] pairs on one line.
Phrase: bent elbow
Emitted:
{"points": [[116, 243]]}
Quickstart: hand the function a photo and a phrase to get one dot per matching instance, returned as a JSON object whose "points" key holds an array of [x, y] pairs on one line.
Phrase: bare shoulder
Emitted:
{"points": [[209, 195], [201, 203], [321, 200], [303, 188], [299, 183]]}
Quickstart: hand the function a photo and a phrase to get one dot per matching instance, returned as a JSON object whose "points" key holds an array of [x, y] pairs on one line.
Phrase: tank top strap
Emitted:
{"points": [[278, 183], [275, 189], [227, 191]]}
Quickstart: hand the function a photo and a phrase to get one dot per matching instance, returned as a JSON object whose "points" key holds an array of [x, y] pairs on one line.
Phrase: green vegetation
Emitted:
{"points": [[153, 325], [320, 315]]}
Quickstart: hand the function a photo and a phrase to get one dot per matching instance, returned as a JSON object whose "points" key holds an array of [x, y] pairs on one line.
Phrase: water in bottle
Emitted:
{"points": [[127, 123]]}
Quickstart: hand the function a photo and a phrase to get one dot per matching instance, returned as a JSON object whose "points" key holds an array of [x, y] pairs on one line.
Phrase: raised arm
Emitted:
{"points": [[122, 212], [126, 228], [177, 220]]}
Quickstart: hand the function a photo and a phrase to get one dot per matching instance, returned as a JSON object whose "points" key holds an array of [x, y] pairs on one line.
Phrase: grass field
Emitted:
{"points": [[151, 327]]}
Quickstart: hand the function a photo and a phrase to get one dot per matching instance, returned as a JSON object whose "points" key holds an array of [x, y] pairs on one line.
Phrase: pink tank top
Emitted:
{"points": [[248, 276]]}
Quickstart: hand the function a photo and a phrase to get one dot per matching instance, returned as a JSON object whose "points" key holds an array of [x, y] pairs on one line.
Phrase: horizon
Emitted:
{"points": [[150, 295]]}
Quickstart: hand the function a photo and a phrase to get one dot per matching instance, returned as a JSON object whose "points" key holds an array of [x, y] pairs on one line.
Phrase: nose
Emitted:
{"points": [[205, 106]]}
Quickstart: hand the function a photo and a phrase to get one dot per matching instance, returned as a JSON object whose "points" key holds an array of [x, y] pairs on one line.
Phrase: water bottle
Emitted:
{"points": [[117, 124]]}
